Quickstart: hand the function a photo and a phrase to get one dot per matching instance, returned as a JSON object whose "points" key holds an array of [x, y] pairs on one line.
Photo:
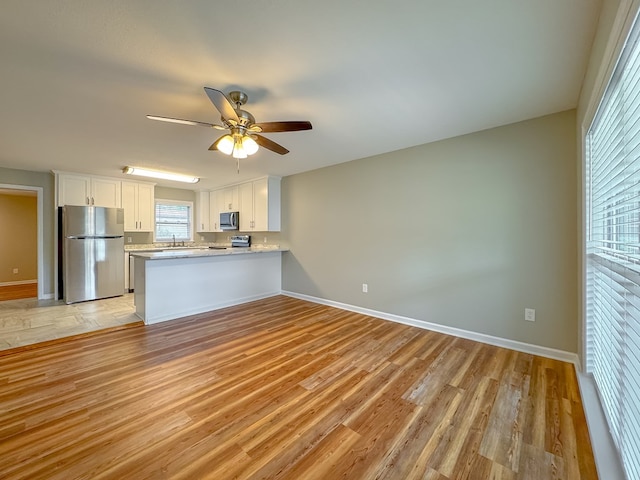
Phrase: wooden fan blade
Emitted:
{"points": [[223, 105], [185, 122], [284, 126], [269, 145]]}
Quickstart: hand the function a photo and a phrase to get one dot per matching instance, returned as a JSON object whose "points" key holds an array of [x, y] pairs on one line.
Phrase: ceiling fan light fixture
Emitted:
{"points": [[144, 172], [249, 144], [238, 151], [226, 144]]}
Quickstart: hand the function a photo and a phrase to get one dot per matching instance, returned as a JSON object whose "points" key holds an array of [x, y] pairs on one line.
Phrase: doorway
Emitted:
{"points": [[21, 242]]}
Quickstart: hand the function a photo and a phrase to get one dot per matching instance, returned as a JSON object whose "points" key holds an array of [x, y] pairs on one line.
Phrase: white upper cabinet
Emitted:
{"points": [[203, 215], [257, 201], [81, 190], [229, 200], [216, 201], [138, 203], [260, 205], [245, 195]]}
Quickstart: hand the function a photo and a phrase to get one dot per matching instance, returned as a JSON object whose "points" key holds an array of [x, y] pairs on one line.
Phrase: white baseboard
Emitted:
{"points": [[18, 282], [207, 308], [457, 332]]}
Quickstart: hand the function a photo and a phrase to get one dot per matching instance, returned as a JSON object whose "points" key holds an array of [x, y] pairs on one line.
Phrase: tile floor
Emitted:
{"points": [[27, 321]]}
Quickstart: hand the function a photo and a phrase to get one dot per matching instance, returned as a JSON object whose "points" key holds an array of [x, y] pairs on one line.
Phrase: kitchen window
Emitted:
{"points": [[612, 293], [174, 221]]}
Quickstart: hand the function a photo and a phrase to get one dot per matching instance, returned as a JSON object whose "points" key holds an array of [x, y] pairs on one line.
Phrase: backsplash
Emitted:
{"points": [[145, 240]]}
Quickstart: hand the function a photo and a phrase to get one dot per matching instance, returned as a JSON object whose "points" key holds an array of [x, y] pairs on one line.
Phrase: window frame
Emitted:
{"points": [[611, 252], [169, 202]]}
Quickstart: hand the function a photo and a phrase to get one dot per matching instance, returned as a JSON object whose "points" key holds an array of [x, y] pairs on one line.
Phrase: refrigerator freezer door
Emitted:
{"points": [[94, 268], [78, 221], [109, 222], [92, 221]]}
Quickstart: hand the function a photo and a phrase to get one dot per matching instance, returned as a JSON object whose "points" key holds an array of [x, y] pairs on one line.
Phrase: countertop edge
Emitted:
{"points": [[166, 255]]}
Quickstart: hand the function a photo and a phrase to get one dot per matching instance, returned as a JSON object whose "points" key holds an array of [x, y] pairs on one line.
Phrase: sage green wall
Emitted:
{"points": [[168, 193], [464, 232], [44, 180], [19, 238]]}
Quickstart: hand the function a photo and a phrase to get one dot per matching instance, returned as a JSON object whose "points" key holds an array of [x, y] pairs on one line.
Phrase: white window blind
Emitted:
{"points": [[613, 254], [173, 220]]}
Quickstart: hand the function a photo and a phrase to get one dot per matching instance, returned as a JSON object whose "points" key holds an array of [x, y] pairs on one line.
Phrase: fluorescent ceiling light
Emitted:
{"points": [[143, 172]]}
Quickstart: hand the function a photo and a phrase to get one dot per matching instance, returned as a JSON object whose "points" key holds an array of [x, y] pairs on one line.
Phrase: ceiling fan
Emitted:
{"points": [[244, 136]]}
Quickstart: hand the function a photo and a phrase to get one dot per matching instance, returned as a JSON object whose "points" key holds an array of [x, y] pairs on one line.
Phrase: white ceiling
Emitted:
{"points": [[78, 77]]}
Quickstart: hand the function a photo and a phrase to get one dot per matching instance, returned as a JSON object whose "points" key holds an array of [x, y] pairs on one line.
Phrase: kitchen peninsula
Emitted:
{"points": [[176, 283]]}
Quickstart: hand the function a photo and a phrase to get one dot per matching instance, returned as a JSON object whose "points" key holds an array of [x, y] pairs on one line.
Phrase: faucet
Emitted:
{"points": [[174, 240]]}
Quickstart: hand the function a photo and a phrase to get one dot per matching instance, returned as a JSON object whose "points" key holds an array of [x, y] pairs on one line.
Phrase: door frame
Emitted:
{"points": [[40, 254]]}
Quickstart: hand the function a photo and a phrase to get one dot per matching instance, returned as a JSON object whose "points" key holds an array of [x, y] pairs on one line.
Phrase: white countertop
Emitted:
{"points": [[201, 252]]}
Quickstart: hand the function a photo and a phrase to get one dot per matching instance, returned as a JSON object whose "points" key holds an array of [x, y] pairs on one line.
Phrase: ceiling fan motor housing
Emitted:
{"points": [[246, 119]]}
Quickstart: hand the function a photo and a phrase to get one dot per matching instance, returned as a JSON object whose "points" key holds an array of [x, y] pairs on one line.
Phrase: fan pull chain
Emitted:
{"points": [[238, 160]]}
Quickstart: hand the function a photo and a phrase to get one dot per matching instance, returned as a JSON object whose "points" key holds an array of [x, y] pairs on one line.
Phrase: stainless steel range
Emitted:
{"points": [[241, 241]]}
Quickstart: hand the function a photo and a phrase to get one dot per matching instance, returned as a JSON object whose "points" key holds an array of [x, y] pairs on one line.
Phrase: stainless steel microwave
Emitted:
{"points": [[229, 221]]}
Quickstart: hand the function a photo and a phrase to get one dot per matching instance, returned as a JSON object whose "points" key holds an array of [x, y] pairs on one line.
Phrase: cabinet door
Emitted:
{"points": [[129, 203], [73, 190], [202, 212], [215, 199], [230, 199], [105, 192], [146, 207], [260, 205], [245, 195]]}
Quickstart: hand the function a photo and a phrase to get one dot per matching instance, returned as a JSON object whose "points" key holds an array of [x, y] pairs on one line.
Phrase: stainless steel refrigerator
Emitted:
{"points": [[92, 253]]}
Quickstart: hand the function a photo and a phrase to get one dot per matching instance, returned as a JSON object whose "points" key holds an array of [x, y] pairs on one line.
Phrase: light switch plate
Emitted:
{"points": [[530, 314]]}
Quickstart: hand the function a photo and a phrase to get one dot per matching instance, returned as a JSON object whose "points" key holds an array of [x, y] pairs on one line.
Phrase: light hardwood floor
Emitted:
{"points": [[283, 388]]}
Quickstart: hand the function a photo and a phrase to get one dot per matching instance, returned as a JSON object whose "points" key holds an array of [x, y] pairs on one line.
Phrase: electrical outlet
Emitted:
{"points": [[365, 288], [129, 240], [15, 270], [265, 240], [530, 314]]}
